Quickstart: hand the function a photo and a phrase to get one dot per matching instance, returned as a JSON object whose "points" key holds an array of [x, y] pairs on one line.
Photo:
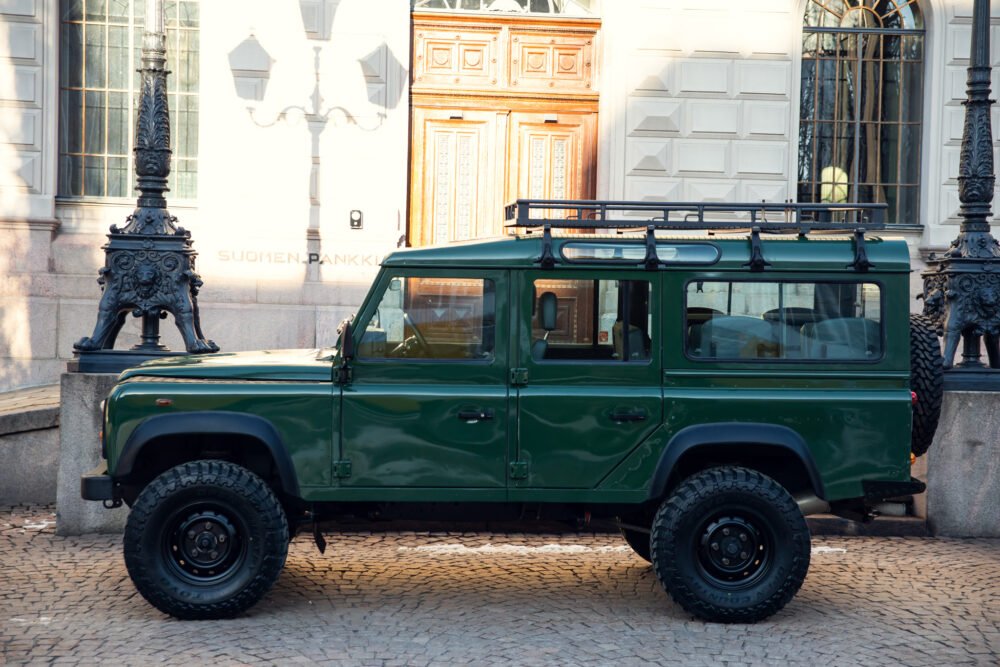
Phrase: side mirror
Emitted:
{"points": [[347, 341]]}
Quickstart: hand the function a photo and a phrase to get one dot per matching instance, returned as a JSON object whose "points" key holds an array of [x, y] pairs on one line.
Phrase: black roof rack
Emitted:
{"points": [[768, 217], [784, 217]]}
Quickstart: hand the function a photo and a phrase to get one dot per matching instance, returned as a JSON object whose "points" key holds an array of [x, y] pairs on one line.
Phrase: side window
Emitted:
{"points": [[593, 320], [433, 318], [802, 321]]}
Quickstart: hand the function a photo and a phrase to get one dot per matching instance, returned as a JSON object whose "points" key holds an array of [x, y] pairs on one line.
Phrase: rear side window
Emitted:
{"points": [[591, 320], [758, 321]]}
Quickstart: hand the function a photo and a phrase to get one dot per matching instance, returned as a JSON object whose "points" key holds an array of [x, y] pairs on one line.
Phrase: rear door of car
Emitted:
{"points": [[587, 392]]}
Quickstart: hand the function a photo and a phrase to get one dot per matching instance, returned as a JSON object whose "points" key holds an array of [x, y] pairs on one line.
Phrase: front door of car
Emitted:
{"points": [[426, 406], [587, 375]]}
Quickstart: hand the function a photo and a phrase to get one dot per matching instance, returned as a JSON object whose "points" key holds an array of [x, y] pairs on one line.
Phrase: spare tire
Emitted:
{"points": [[926, 381]]}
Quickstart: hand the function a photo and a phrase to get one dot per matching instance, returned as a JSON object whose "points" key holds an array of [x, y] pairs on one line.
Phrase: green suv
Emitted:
{"points": [[703, 391]]}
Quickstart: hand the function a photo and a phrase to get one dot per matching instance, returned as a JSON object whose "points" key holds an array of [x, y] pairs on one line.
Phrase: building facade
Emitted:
{"points": [[312, 137]]}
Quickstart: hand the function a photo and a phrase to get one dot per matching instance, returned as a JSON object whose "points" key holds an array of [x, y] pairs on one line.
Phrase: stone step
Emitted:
{"points": [[30, 409]]}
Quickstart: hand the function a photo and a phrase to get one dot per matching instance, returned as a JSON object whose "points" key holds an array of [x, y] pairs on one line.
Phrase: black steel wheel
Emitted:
{"points": [[926, 382], [639, 541], [206, 539], [730, 545]]}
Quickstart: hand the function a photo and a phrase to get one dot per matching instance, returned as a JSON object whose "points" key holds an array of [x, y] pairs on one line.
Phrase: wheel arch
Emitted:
{"points": [[768, 448], [166, 430]]}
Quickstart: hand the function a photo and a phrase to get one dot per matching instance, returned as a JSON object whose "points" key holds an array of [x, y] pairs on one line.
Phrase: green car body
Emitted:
{"points": [[852, 418], [500, 431]]}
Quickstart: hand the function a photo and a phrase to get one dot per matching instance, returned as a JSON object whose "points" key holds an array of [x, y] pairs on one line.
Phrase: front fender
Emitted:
{"points": [[209, 422]]}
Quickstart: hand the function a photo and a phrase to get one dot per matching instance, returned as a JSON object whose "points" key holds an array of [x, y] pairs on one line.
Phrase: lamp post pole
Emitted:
{"points": [[149, 263], [962, 287], [152, 131]]}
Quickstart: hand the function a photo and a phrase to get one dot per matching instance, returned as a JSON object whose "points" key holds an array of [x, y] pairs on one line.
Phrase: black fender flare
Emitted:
{"points": [[733, 433], [209, 421]]}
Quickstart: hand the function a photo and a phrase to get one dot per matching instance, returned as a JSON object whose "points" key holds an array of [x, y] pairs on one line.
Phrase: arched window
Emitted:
{"points": [[861, 113]]}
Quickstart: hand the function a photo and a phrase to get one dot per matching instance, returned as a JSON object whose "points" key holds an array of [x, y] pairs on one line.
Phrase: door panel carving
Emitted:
{"points": [[453, 196], [555, 155], [551, 61]]}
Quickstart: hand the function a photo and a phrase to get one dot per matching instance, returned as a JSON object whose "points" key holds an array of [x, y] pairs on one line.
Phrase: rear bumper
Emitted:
{"points": [[876, 492], [97, 484]]}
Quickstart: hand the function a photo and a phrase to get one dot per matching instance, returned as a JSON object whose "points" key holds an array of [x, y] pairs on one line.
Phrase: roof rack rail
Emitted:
{"points": [[768, 217], [788, 218]]}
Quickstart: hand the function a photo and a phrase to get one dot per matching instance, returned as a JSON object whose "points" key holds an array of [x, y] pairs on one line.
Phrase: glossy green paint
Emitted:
{"points": [[283, 365], [401, 425], [827, 254], [396, 421], [291, 389], [565, 432]]}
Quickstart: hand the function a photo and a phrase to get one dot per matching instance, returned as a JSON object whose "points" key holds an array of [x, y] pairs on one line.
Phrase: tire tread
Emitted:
{"points": [[234, 478], [693, 491]]}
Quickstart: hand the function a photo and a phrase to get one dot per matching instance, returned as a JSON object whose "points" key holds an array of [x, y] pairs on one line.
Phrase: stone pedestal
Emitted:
{"points": [[963, 467], [80, 451]]}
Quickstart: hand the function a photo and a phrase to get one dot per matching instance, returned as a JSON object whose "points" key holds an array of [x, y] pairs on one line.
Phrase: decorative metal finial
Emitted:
{"points": [[962, 289], [149, 264], [152, 132], [976, 176]]}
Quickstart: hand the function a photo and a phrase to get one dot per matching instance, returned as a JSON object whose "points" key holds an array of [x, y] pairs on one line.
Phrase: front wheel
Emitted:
{"points": [[730, 545], [206, 539]]}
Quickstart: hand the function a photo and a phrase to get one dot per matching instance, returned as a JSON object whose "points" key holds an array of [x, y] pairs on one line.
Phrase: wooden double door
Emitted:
{"points": [[503, 108]]}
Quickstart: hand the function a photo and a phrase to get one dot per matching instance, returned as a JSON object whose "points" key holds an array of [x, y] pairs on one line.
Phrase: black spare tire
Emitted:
{"points": [[926, 381]]}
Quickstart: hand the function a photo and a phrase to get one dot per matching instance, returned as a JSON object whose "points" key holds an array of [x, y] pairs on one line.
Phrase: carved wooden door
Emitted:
{"points": [[454, 174], [552, 156], [503, 107]]}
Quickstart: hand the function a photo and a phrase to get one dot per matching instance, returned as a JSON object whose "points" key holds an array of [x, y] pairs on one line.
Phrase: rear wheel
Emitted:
{"points": [[730, 545], [206, 539]]}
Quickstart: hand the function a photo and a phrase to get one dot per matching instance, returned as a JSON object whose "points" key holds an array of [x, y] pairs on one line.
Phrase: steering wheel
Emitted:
{"points": [[421, 342]]}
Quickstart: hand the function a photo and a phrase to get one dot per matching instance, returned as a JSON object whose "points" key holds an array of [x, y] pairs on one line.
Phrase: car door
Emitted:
{"points": [[587, 383], [426, 406]]}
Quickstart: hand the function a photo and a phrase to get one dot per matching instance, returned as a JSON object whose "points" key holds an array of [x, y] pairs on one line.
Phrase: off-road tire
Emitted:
{"points": [[739, 503], [926, 380], [639, 541], [205, 505]]}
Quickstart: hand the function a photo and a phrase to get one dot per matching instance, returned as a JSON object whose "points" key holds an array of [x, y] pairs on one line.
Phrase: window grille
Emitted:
{"points": [[861, 113], [100, 44]]}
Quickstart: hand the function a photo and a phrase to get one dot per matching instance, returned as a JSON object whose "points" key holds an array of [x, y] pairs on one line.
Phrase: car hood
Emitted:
{"points": [[314, 365]]}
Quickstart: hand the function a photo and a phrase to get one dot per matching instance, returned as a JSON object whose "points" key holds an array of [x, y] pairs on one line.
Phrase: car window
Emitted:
{"points": [[784, 320], [593, 320], [432, 318]]}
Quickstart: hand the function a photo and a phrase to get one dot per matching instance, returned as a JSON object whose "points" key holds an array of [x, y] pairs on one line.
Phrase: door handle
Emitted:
{"points": [[472, 416], [634, 415]]}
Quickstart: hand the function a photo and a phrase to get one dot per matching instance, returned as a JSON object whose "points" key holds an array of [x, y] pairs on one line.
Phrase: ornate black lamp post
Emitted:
{"points": [[149, 264], [962, 287]]}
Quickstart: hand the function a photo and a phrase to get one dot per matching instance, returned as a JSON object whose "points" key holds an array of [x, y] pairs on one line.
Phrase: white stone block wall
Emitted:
{"points": [[698, 101], [280, 263]]}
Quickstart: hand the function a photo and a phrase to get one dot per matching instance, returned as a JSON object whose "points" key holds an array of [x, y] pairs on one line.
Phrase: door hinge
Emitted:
{"points": [[518, 377], [341, 469], [519, 470], [343, 375]]}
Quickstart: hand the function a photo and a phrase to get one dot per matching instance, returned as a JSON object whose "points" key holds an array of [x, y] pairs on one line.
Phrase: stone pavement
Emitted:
{"points": [[480, 598]]}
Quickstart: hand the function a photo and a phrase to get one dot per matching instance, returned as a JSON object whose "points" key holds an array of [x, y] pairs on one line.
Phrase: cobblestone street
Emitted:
{"points": [[460, 599]]}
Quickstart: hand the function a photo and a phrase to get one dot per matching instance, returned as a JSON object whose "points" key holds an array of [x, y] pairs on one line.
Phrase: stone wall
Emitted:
{"points": [[281, 264], [29, 446]]}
